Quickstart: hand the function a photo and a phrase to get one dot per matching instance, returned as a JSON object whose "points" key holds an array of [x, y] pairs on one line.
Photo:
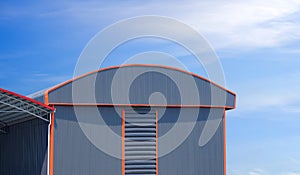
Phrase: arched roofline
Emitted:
{"points": [[46, 93]]}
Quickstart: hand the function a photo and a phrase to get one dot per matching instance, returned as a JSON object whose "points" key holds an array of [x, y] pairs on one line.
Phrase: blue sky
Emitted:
{"points": [[258, 43]]}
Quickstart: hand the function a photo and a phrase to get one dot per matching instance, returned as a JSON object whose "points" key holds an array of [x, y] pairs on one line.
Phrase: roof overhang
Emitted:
{"points": [[15, 108]]}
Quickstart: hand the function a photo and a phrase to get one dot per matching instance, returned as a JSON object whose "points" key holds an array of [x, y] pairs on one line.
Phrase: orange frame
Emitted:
{"points": [[123, 141], [51, 146], [140, 105], [156, 118], [224, 144]]}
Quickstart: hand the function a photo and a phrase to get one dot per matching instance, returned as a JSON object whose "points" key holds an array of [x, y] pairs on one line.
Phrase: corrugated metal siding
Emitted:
{"points": [[74, 153], [189, 158], [154, 79], [24, 149]]}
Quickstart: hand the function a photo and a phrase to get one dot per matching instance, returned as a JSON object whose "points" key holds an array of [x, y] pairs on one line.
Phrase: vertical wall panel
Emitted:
{"points": [[74, 153], [189, 158], [24, 149]]}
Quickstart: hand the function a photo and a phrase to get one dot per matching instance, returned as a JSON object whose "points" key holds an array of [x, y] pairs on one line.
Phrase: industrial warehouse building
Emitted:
{"points": [[127, 120]]}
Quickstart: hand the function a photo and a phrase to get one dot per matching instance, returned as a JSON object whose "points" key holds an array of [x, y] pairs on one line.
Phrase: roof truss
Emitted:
{"points": [[15, 108]]}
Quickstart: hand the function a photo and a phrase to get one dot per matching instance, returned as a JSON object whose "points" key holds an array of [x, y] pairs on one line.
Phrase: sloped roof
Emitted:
{"points": [[16, 108], [62, 94]]}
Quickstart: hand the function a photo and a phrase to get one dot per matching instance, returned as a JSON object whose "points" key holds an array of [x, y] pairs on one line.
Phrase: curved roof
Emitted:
{"points": [[204, 83], [15, 108]]}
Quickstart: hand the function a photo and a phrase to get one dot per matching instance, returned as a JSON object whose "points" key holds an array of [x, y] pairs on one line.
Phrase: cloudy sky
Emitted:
{"points": [[258, 43]]}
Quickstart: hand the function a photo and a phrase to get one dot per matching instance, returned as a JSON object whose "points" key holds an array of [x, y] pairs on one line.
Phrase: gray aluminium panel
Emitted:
{"points": [[74, 153], [189, 158], [147, 81], [24, 149]]}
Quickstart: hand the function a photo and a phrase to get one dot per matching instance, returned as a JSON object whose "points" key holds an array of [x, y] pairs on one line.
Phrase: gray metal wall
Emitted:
{"points": [[150, 79], [189, 158], [24, 149], [75, 154]]}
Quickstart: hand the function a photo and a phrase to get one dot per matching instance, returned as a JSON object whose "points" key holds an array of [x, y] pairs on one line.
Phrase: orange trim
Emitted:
{"points": [[141, 65], [46, 97], [51, 153], [123, 141], [141, 105], [234, 106], [156, 118], [224, 132]]}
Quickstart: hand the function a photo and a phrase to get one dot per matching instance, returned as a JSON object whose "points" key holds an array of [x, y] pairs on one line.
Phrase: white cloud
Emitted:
{"points": [[242, 24], [256, 171], [235, 172], [246, 23], [279, 92], [294, 161], [233, 23], [253, 173]]}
